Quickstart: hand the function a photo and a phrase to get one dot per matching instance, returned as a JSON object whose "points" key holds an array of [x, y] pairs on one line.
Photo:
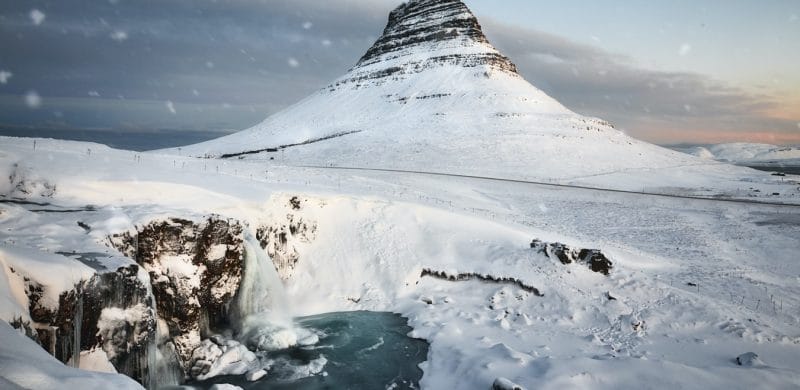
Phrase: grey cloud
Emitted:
{"points": [[224, 56], [649, 104]]}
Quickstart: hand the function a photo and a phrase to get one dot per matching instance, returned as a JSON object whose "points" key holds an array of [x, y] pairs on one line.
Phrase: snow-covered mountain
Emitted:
{"points": [[432, 92], [747, 153]]}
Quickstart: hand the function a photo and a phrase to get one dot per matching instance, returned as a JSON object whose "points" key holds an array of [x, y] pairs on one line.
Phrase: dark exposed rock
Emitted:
{"points": [[34, 292], [25, 326], [749, 359], [464, 276], [295, 202], [425, 27], [596, 260], [280, 238], [84, 226], [73, 326], [241, 155], [505, 384], [593, 258], [195, 270]]}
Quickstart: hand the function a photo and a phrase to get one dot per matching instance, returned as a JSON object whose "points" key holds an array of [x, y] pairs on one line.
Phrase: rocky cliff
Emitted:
{"points": [[147, 317], [195, 270]]}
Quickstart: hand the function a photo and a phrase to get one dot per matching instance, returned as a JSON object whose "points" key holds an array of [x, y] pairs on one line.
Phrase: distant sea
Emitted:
{"points": [[119, 139]]}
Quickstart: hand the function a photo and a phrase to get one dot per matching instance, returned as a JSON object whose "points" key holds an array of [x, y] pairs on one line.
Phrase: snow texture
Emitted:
{"points": [[377, 231]]}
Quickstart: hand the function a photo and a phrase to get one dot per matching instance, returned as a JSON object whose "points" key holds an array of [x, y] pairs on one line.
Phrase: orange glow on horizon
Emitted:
{"points": [[708, 136]]}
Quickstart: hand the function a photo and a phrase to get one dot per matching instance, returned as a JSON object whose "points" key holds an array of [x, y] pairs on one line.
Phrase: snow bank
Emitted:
{"points": [[55, 274]]}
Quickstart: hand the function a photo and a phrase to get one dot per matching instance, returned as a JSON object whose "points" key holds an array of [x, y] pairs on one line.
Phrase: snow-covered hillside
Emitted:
{"points": [[692, 284], [432, 92], [748, 153]]}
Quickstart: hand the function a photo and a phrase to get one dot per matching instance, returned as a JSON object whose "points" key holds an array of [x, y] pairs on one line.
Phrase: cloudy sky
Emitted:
{"points": [[673, 71]]}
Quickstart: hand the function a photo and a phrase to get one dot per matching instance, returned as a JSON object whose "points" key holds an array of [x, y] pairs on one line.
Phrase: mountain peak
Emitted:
{"points": [[422, 34], [433, 92]]}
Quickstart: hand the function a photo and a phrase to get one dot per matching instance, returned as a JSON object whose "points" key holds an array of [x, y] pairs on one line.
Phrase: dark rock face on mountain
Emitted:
{"points": [[422, 34], [593, 258]]}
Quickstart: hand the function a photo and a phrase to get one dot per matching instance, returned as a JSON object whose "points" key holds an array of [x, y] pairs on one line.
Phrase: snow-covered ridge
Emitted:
{"points": [[744, 153]]}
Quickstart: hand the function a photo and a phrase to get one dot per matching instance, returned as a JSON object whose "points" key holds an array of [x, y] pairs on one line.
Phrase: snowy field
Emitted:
{"points": [[694, 283]]}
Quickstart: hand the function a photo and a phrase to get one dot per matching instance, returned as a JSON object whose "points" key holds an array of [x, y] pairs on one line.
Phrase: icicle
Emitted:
{"points": [[53, 335], [77, 323]]}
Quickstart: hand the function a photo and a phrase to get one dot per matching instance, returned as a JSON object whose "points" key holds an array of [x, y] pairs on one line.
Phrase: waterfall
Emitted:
{"points": [[261, 290], [261, 304]]}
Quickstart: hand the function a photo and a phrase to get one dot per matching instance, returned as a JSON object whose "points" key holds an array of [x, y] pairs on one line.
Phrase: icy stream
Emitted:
{"points": [[336, 350]]}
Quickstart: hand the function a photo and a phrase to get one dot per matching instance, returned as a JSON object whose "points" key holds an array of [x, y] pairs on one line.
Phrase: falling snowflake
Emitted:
{"points": [[326, 42], [308, 25], [94, 94], [37, 16], [171, 106], [293, 62], [33, 100], [119, 36], [685, 50], [209, 65], [4, 76], [687, 107]]}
